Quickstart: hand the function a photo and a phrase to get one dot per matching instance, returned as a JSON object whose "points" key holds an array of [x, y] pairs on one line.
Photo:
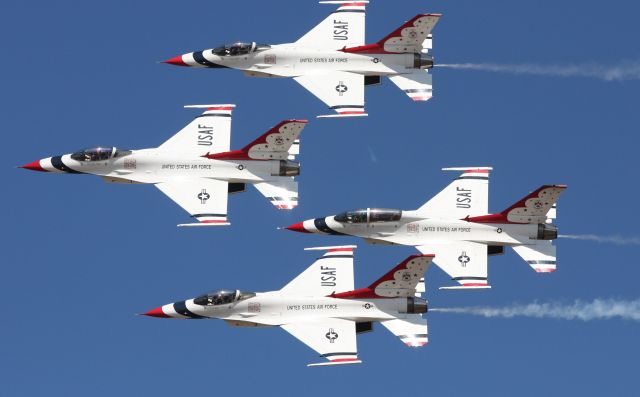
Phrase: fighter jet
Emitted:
{"points": [[455, 226], [321, 308], [195, 167], [333, 61]]}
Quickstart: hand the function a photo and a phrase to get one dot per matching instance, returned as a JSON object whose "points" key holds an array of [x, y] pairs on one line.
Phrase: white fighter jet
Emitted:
{"points": [[195, 167], [321, 308], [455, 226], [333, 61]]}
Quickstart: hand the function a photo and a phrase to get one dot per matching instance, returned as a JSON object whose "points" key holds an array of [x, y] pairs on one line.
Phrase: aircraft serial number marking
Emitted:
{"points": [[186, 166], [324, 60]]}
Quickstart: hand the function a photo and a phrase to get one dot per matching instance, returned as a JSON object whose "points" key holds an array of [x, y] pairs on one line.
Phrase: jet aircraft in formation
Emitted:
{"points": [[333, 61], [456, 226], [196, 168], [321, 308]]}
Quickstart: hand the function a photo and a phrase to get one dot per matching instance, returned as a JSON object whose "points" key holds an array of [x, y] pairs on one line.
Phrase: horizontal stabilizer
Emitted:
{"points": [[541, 256], [222, 223], [331, 116], [282, 192], [467, 287], [412, 330], [334, 248], [418, 85], [335, 363]]}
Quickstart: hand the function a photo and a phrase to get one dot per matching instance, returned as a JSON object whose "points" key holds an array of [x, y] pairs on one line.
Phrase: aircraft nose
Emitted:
{"points": [[157, 312], [303, 227], [33, 166], [176, 61]]}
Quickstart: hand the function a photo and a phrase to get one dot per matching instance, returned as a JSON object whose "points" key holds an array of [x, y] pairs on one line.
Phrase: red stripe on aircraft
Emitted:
{"points": [[342, 360]]}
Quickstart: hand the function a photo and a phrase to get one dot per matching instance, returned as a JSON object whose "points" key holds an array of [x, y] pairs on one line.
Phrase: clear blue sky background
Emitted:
{"points": [[81, 257]]}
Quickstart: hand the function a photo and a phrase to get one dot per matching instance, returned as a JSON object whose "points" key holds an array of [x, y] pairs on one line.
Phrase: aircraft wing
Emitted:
{"points": [[464, 261], [467, 195], [333, 338], [342, 28], [208, 133], [330, 273], [341, 91], [203, 199]]}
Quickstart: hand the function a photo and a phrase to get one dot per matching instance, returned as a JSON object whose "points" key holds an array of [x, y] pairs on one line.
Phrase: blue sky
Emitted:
{"points": [[81, 257]]}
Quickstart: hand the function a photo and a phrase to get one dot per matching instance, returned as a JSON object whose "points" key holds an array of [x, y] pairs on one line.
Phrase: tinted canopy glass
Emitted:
{"points": [[238, 48], [99, 153], [369, 215], [356, 216], [222, 297]]}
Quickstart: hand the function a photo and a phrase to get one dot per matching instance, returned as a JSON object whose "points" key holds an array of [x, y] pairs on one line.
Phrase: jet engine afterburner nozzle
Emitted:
{"points": [[416, 305], [286, 168], [422, 61], [547, 231]]}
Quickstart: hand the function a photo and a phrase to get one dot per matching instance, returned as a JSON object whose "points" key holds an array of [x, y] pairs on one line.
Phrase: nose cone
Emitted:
{"points": [[298, 227], [176, 61], [33, 166], [157, 312]]}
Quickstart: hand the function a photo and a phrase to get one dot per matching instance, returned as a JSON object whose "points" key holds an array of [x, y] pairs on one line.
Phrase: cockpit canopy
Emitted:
{"points": [[222, 297], [99, 154], [369, 215], [239, 48]]}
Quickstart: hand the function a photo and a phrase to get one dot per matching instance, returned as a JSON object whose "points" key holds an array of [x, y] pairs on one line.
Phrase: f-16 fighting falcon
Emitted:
{"points": [[456, 227], [195, 167], [321, 308], [333, 61]]}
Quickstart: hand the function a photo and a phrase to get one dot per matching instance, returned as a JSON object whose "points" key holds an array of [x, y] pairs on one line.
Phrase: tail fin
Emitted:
{"points": [[413, 36], [541, 256], [467, 195], [276, 144], [533, 208], [342, 28], [332, 272], [401, 281]]}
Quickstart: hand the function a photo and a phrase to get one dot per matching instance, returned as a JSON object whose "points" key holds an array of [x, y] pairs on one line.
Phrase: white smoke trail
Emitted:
{"points": [[627, 70], [598, 309], [619, 240]]}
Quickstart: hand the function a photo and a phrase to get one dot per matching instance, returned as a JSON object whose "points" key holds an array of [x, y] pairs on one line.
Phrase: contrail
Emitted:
{"points": [[627, 70], [619, 240], [598, 309]]}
